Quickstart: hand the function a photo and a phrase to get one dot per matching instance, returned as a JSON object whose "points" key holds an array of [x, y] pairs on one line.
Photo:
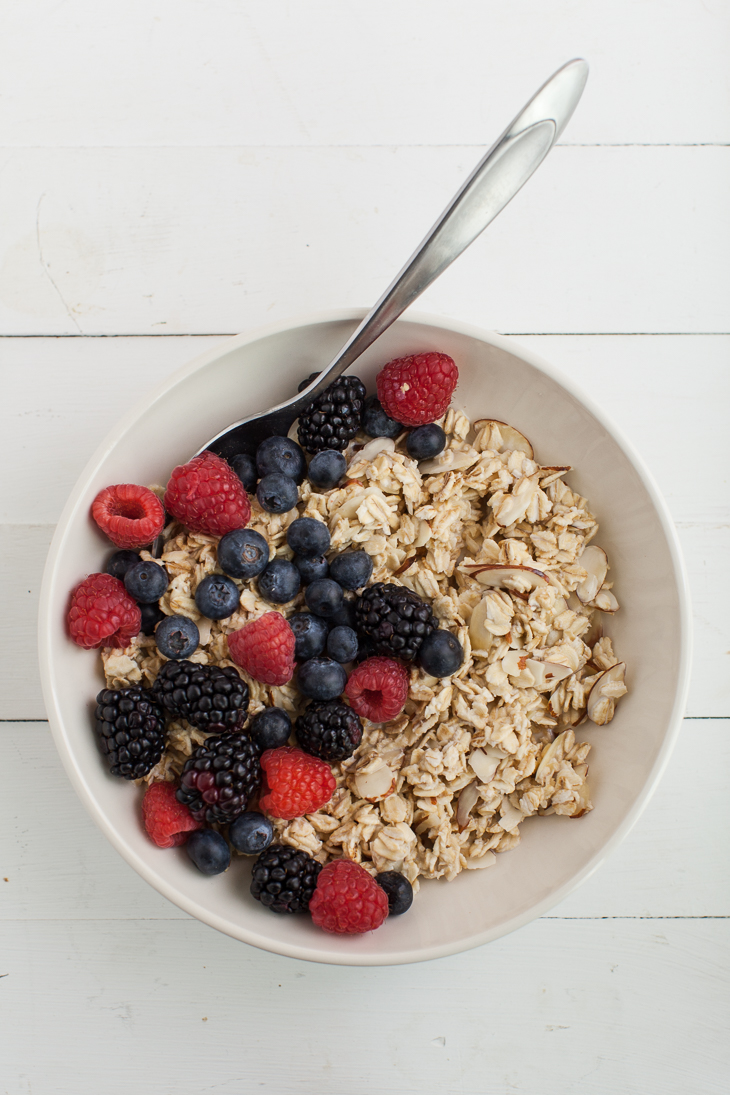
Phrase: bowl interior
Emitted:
{"points": [[650, 633]]}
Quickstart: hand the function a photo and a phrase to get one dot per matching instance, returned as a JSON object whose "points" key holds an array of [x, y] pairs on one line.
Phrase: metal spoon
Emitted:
{"points": [[493, 183]]}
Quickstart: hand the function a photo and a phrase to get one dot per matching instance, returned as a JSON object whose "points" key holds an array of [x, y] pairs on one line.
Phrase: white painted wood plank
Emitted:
{"points": [[328, 72], [669, 395], [671, 864], [109, 241], [176, 1009]]}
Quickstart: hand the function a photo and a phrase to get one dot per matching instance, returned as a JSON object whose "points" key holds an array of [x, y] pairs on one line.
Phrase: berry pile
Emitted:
{"points": [[349, 646]]}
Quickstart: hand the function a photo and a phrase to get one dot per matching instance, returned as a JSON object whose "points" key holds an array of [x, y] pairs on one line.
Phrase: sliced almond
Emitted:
{"points": [[376, 784], [467, 801], [506, 436], [483, 766], [449, 460], [606, 601], [514, 662], [547, 674], [489, 619], [602, 698], [593, 560], [496, 575], [374, 448], [548, 756], [352, 504], [510, 816], [514, 506]]}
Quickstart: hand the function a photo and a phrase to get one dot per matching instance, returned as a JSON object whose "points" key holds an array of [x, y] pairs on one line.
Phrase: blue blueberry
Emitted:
{"points": [[321, 679], [251, 833], [217, 596], [277, 493], [120, 562], [245, 468], [279, 582], [376, 423], [324, 597], [326, 469], [310, 635], [342, 644], [146, 582], [151, 616], [270, 729], [308, 537], [345, 616], [311, 569], [352, 569], [243, 553], [177, 637], [398, 890], [209, 851], [425, 442], [281, 455], [440, 654]]}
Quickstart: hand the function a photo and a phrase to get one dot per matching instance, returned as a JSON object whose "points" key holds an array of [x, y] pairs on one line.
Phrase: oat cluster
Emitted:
{"points": [[497, 544]]}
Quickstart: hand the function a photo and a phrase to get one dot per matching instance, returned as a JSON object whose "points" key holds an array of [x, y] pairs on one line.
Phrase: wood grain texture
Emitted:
{"points": [[205, 240], [187, 72]]}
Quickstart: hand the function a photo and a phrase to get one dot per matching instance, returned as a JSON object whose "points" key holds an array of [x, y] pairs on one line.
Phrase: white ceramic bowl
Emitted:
{"points": [[651, 632]]}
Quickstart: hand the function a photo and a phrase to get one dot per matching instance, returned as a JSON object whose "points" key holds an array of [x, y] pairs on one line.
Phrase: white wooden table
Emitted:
{"points": [[177, 170]]}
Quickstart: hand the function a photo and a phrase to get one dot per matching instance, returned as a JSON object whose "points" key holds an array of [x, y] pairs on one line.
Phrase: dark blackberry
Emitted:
{"points": [[130, 723], [284, 878], [394, 619], [212, 698], [331, 731], [219, 778], [334, 417]]}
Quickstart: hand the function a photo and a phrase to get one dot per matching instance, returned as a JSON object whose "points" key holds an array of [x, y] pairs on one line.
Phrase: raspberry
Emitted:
{"points": [[297, 783], [377, 689], [418, 389], [347, 900], [207, 496], [130, 516], [102, 613], [167, 821], [264, 648]]}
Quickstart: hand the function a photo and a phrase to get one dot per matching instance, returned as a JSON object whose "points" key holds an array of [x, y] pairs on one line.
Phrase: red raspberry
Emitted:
{"points": [[377, 689], [296, 783], [265, 649], [102, 613], [418, 389], [207, 496], [130, 516], [347, 899], [166, 820]]}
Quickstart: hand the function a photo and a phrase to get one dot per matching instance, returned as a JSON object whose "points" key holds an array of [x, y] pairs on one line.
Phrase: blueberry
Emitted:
{"points": [[146, 582], [120, 562], [342, 644], [243, 553], [310, 634], [177, 637], [277, 493], [352, 569], [321, 679], [281, 455], [440, 654], [217, 596], [398, 891], [308, 537], [324, 597], [270, 729], [245, 468], [425, 442], [209, 851], [280, 582], [344, 617], [376, 423], [251, 833], [151, 616], [311, 569], [326, 469], [305, 383]]}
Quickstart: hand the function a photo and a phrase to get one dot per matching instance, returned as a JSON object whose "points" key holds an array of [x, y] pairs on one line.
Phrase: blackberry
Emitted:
{"points": [[331, 731], [334, 417], [284, 878], [213, 699], [219, 778], [130, 723], [394, 619]]}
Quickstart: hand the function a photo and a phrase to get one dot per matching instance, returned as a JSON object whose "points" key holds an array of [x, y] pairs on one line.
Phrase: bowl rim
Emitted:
{"points": [[309, 953]]}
